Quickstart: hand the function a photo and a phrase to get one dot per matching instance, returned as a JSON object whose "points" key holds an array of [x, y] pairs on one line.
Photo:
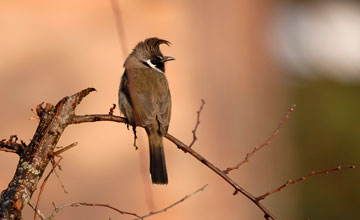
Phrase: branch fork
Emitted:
{"points": [[54, 119]]}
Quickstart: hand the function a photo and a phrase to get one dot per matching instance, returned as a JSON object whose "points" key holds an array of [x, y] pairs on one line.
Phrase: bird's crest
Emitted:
{"points": [[151, 45]]}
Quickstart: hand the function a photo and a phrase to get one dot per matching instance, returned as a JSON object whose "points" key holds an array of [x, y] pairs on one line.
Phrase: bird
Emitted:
{"points": [[145, 99]]}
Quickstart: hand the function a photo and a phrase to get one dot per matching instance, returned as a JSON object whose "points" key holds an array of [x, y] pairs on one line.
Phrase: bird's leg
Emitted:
{"points": [[135, 137]]}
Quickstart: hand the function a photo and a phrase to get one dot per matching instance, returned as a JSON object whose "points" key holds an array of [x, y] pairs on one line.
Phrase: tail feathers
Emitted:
{"points": [[157, 160]]}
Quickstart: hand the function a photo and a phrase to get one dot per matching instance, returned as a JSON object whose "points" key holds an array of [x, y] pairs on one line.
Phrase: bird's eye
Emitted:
{"points": [[155, 60]]}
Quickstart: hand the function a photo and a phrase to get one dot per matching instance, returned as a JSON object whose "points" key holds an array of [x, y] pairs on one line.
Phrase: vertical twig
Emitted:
{"points": [[266, 143], [119, 26], [197, 123]]}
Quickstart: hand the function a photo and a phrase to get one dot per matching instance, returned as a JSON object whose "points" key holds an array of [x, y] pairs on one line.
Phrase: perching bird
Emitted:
{"points": [[144, 99]]}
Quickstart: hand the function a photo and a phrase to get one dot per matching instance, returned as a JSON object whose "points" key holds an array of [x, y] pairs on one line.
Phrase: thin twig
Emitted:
{"points": [[59, 179], [111, 111], [36, 116], [13, 138], [219, 172], [8, 150], [197, 123], [43, 187], [119, 26], [186, 149], [11, 145], [57, 154], [42, 216], [62, 150], [172, 205], [34, 161], [266, 143], [77, 204], [313, 173]]}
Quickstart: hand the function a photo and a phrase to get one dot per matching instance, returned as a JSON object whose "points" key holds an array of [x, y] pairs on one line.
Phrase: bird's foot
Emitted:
{"points": [[135, 137]]}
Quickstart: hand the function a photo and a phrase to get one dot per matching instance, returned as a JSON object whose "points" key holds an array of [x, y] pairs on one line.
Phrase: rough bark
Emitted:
{"points": [[35, 156]]}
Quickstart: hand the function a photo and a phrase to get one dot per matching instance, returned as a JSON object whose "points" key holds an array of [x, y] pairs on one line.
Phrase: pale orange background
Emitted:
{"points": [[50, 49]]}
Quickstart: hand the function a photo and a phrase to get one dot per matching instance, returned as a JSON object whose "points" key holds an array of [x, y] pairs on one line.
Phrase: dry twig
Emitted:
{"points": [[186, 149], [62, 150], [7, 150], [58, 178], [12, 146], [53, 121], [266, 143], [77, 204], [197, 123], [43, 187], [34, 157], [172, 205], [111, 111], [57, 154], [42, 216], [313, 173]]}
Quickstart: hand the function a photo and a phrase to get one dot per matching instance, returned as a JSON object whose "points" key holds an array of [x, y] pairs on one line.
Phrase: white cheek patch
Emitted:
{"points": [[153, 66]]}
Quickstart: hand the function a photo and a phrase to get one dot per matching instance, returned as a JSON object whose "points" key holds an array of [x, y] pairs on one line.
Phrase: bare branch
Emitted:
{"points": [[43, 187], [42, 216], [57, 154], [186, 149], [172, 205], [219, 172], [7, 150], [58, 177], [12, 146], [77, 204], [266, 143], [197, 123], [313, 173], [53, 121], [62, 150], [97, 117], [34, 160]]}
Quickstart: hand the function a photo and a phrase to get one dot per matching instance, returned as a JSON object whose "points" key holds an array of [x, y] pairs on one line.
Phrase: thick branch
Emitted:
{"points": [[53, 120], [36, 156]]}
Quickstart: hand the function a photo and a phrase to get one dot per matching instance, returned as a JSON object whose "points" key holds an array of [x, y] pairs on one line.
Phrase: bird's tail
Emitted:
{"points": [[157, 157]]}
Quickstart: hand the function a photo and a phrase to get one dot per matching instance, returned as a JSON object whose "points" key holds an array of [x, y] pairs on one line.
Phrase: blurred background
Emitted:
{"points": [[250, 60]]}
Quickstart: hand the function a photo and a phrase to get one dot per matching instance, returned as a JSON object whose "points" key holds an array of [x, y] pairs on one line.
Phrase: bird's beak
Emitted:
{"points": [[167, 58]]}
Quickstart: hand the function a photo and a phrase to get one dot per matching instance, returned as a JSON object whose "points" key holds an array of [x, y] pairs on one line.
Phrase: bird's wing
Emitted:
{"points": [[164, 113], [150, 96], [124, 98]]}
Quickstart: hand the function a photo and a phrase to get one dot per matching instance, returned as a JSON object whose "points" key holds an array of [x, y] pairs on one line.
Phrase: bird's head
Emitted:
{"points": [[147, 54]]}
